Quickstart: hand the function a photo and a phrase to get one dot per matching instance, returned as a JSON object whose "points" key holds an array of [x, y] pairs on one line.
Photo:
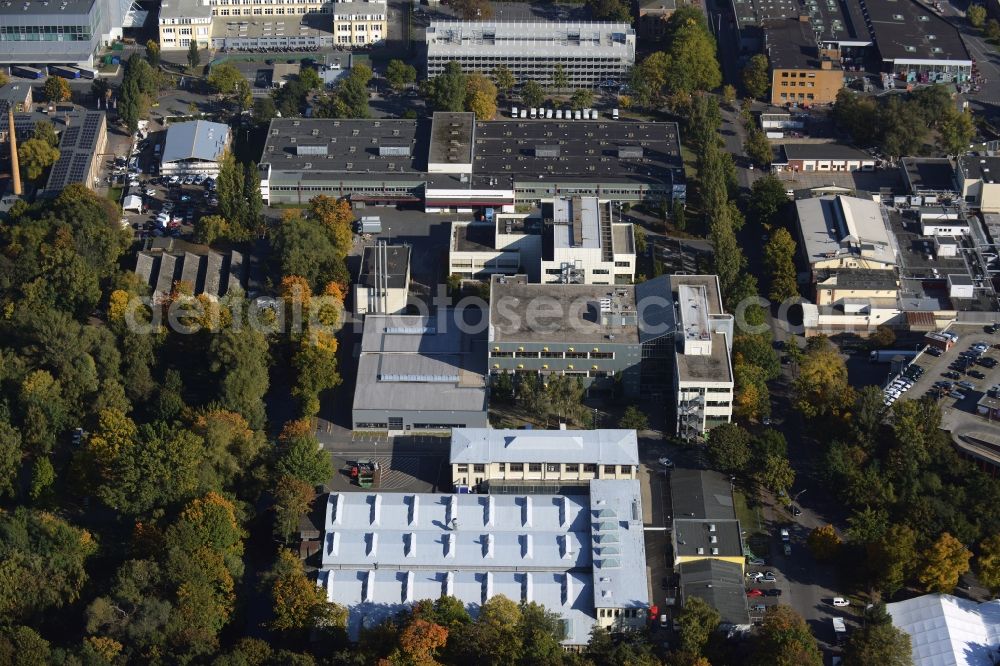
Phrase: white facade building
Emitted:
{"points": [[382, 552], [484, 455], [703, 372], [578, 244], [181, 21], [589, 53]]}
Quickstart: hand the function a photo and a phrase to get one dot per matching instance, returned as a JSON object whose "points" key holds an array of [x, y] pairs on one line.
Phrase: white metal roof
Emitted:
{"points": [[948, 631], [601, 447]]}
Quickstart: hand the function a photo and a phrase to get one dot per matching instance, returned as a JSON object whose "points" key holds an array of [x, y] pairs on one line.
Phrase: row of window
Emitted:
{"points": [[565, 61], [280, 11], [801, 75], [799, 96], [800, 84], [550, 468], [552, 354], [617, 612]]}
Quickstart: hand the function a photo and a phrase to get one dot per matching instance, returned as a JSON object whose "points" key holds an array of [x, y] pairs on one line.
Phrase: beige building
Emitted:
{"points": [[360, 23], [838, 232], [383, 284], [802, 72], [979, 181], [181, 21], [539, 457]]}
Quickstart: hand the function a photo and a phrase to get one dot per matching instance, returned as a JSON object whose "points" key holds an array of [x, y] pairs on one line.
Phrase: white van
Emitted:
{"points": [[513, 112], [614, 114], [576, 114], [524, 113], [586, 114], [534, 112], [548, 113], [558, 114]]}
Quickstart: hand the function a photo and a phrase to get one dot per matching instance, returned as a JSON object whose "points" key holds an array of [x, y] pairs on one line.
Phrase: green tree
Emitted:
{"points": [[691, 64], [582, 99], [698, 621], [100, 89], [821, 386], [315, 362], [729, 95], [42, 477], [44, 562], [481, 96], [784, 639], [292, 498], [678, 215], [955, 131], [532, 93], [23, 646], [494, 638], [634, 419], [301, 457], [400, 74], [193, 56], [560, 79], [56, 89], [310, 79], [473, 10], [306, 249], [211, 228], [239, 358], [298, 605], [728, 259], [504, 79], [824, 543], [224, 78], [44, 131], [610, 10], [992, 30], [757, 147], [448, 89], [942, 563], [878, 643], [153, 53], [35, 156], [757, 76], [767, 199], [779, 258], [541, 631], [10, 459], [776, 474], [988, 563], [976, 15], [729, 448], [893, 558]]}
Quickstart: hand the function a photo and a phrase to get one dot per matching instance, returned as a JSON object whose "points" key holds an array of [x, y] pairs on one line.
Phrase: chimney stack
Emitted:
{"points": [[15, 167]]}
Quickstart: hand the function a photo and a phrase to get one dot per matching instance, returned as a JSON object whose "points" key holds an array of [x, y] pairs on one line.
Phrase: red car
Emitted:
{"points": [[755, 593]]}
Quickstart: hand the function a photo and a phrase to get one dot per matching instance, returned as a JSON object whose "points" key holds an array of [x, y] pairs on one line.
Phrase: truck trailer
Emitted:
{"points": [[886, 355], [64, 71]]}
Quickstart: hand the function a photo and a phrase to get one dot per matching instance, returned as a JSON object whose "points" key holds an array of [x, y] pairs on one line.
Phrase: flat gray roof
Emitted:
{"points": [[408, 363], [929, 173], [184, 9], [40, 8], [529, 38], [699, 494], [602, 447], [823, 151], [906, 32], [791, 44], [524, 312], [451, 138], [396, 268], [718, 583], [839, 225], [710, 538], [981, 167]]}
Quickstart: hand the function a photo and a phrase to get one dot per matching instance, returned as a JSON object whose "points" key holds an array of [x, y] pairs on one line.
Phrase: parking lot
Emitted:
{"points": [[976, 377]]}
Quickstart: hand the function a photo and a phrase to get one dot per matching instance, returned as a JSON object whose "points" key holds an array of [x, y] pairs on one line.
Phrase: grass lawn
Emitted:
{"points": [[748, 516], [690, 162], [115, 194]]}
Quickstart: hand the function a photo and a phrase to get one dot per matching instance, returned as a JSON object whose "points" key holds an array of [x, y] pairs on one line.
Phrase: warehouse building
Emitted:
{"points": [[582, 556], [494, 459], [456, 163], [837, 232], [420, 373], [591, 54], [194, 147], [60, 32], [81, 148]]}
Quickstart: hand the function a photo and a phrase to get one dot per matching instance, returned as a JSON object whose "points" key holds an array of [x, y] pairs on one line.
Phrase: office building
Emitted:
{"points": [[605, 335], [167, 262], [979, 182], [360, 23], [582, 556], [182, 21], [245, 24], [591, 54], [194, 147], [845, 232], [491, 459], [383, 283], [420, 373], [575, 241], [60, 32], [455, 163], [802, 73], [703, 345], [81, 148]]}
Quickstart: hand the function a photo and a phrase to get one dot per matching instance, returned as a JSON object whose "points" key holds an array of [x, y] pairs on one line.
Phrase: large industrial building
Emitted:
{"points": [[582, 556], [195, 147], [836, 232], [81, 149], [591, 54], [575, 241], [60, 32], [420, 373], [456, 163]]}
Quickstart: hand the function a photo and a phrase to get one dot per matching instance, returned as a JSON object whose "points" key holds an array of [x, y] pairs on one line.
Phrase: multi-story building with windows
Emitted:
{"points": [[360, 23], [802, 72], [608, 336], [576, 241], [184, 21], [245, 23], [591, 54], [490, 458], [703, 371], [38, 32]]}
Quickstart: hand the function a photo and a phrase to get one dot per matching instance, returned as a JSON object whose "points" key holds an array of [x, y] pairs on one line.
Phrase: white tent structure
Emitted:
{"points": [[948, 631], [132, 202]]}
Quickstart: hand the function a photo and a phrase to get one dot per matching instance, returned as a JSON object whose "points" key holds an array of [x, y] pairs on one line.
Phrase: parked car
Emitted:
{"points": [[951, 375], [754, 575], [769, 577], [666, 462], [840, 602], [757, 562], [758, 608], [796, 511], [755, 593], [957, 395], [976, 374], [774, 592]]}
